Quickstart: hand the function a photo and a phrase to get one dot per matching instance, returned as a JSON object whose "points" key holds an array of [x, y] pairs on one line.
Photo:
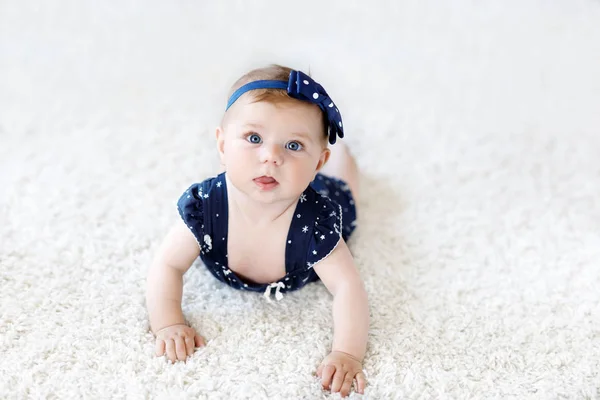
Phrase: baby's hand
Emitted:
{"points": [[341, 368], [178, 342]]}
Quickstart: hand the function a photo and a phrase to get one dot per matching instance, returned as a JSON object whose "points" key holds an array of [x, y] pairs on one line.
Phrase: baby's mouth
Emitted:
{"points": [[266, 182]]}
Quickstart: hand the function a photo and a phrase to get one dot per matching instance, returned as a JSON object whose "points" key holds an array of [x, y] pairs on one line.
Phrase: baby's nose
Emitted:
{"points": [[271, 154]]}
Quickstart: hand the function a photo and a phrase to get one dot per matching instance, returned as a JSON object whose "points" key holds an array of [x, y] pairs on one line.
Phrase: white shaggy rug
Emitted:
{"points": [[476, 126]]}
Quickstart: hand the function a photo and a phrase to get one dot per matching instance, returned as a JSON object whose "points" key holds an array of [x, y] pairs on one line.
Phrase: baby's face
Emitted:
{"points": [[271, 152]]}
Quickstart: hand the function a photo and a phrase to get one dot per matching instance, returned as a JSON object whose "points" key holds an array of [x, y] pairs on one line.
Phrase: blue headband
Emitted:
{"points": [[301, 86]]}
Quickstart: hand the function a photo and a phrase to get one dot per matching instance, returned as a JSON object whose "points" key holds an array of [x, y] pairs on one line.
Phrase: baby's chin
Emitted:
{"points": [[276, 196]]}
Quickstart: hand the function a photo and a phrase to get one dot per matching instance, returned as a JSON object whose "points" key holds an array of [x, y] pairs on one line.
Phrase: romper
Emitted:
{"points": [[324, 213]]}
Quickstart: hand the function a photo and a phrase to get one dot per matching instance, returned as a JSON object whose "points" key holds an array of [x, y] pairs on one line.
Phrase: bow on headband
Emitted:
{"points": [[302, 87]]}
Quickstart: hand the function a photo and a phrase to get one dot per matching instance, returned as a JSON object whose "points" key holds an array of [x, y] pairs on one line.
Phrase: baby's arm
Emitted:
{"points": [[350, 320], [164, 289]]}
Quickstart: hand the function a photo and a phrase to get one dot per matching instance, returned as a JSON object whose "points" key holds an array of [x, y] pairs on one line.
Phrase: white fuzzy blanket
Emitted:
{"points": [[476, 126]]}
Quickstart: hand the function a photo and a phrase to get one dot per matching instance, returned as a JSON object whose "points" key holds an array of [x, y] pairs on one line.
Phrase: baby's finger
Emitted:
{"points": [[346, 384], [338, 379], [180, 349], [199, 341], [327, 375], [159, 347], [189, 345], [361, 382], [319, 370], [170, 346]]}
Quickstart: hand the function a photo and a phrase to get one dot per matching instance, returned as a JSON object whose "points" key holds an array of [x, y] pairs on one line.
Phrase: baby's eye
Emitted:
{"points": [[294, 146], [254, 138]]}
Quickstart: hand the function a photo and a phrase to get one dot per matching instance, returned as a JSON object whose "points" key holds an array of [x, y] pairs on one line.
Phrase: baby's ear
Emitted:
{"points": [[325, 153], [220, 135]]}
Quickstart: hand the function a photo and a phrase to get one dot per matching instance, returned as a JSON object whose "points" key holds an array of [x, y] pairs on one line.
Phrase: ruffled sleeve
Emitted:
{"points": [[327, 232], [191, 209]]}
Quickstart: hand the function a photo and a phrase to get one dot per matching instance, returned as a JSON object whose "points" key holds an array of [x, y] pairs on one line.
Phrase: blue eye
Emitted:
{"points": [[294, 146], [254, 138]]}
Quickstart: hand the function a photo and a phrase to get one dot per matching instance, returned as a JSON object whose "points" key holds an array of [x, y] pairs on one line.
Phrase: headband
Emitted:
{"points": [[301, 87]]}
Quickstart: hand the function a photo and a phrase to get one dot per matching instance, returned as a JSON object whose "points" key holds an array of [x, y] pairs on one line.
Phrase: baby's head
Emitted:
{"points": [[273, 136], [274, 96]]}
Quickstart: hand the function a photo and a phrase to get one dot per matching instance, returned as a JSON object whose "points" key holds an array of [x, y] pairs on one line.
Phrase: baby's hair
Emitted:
{"points": [[275, 96], [272, 72]]}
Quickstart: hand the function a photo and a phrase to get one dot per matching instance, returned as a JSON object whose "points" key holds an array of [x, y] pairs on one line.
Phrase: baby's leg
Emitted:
{"points": [[342, 165]]}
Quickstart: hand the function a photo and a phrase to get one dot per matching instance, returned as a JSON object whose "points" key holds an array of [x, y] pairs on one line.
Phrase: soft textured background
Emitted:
{"points": [[476, 125]]}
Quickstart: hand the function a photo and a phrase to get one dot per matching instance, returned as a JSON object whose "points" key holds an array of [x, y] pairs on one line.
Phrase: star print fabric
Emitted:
{"points": [[324, 213]]}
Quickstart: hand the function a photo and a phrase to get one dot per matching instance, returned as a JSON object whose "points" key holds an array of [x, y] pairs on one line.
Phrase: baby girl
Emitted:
{"points": [[282, 208]]}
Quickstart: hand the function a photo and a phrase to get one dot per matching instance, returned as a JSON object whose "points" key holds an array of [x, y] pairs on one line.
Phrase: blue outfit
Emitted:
{"points": [[325, 213]]}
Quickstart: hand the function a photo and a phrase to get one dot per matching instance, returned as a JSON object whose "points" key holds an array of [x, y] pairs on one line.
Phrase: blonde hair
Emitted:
{"points": [[275, 96]]}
